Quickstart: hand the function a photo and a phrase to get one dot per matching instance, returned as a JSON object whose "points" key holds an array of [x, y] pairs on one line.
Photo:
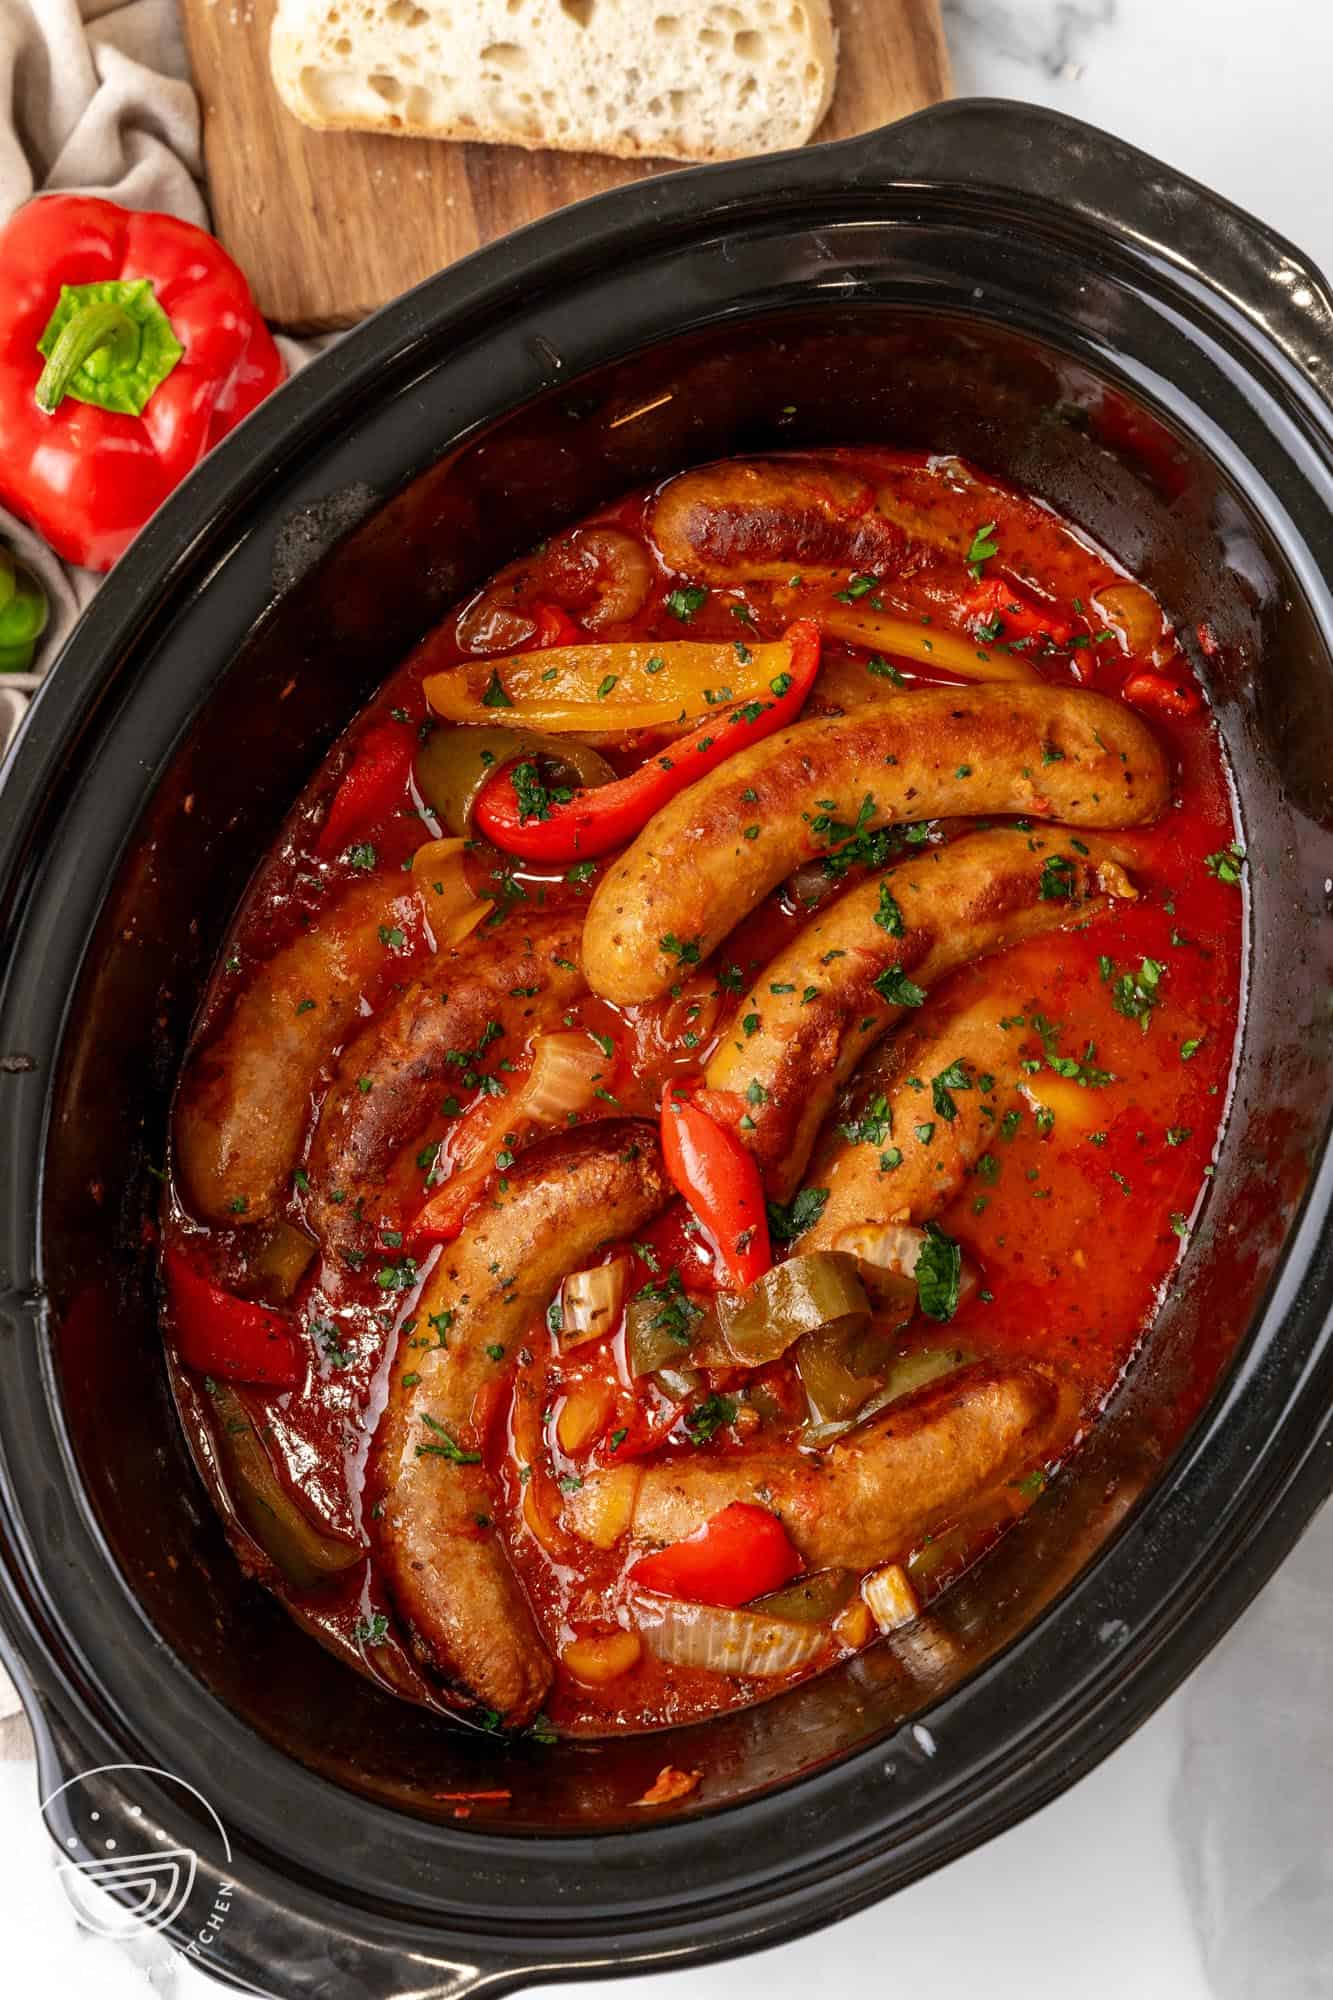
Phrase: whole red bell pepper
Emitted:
{"points": [[129, 345], [741, 1553], [219, 1334], [595, 821], [720, 1182]]}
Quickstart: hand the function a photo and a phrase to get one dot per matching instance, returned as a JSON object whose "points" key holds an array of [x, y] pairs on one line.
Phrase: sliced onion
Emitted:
{"points": [[603, 1658], [452, 906], [1135, 614], [725, 1641], [600, 1511], [566, 1069], [889, 1246], [590, 1301], [624, 575], [810, 884], [892, 1600], [887, 1253], [584, 1415]]}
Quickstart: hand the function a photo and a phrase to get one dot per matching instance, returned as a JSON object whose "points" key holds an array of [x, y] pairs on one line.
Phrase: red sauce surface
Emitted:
{"points": [[1074, 1229]]}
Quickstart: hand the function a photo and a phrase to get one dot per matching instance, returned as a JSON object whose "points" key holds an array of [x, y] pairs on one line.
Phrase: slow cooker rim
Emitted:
{"points": [[115, 613]]}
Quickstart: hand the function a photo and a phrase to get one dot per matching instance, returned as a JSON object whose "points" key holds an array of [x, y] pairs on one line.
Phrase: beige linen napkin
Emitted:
{"points": [[93, 98]]}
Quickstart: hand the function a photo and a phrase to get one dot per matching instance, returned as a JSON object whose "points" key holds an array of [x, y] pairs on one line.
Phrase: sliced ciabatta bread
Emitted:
{"points": [[676, 79]]}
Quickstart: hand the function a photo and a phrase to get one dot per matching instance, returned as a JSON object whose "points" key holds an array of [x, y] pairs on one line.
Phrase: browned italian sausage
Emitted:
{"points": [[486, 996], [888, 1173], [815, 1010], [450, 1576], [246, 1095], [877, 1491], [709, 856], [766, 517]]}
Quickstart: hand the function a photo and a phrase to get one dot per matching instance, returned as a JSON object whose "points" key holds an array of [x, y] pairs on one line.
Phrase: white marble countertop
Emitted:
{"points": [[1089, 1896]]}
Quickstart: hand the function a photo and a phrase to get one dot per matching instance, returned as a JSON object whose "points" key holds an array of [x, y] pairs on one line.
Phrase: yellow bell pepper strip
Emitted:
{"points": [[601, 690], [524, 820], [931, 645]]}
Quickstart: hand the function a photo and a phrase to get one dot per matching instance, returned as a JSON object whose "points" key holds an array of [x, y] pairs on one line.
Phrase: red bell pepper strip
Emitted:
{"points": [[219, 1334], [743, 1552], [373, 786], [129, 345], [555, 628], [720, 1182], [1020, 619], [1167, 697], [595, 821]]}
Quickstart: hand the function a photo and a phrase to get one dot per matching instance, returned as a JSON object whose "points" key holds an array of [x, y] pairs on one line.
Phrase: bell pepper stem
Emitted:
{"points": [[98, 324]]}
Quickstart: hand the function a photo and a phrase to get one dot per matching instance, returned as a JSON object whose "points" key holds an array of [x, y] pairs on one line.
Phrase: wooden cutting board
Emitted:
{"points": [[330, 225]]}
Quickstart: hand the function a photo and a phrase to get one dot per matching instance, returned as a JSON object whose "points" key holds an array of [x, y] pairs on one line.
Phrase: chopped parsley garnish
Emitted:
{"points": [[363, 855], [873, 1127], [495, 696], [684, 603], [788, 1220], [984, 546], [1227, 864], [1134, 995], [686, 950], [894, 987], [372, 1631], [712, 1416], [397, 1277], [678, 1313], [534, 798], [889, 916], [885, 670], [447, 1447], [955, 1077], [1078, 1069], [1057, 879], [938, 1274]]}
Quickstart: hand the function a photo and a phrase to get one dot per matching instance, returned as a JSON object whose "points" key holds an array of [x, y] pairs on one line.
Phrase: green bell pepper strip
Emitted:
{"points": [[24, 611]]}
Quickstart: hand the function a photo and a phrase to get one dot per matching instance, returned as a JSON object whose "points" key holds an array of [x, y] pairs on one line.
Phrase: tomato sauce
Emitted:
{"points": [[1074, 1219]]}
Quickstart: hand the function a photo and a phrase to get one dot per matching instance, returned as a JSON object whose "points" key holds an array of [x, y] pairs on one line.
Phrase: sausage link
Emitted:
{"points": [[879, 1490], [863, 1193], [520, 979], [766, 517], [245, 1097], [449, 1574], [710, 855], [817, 1007]]}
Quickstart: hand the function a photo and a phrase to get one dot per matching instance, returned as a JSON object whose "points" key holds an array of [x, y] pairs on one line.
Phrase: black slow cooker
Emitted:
{"points": [[985, 279]]}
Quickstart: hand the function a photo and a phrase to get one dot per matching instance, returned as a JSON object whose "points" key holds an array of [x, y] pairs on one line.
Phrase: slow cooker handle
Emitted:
{"points": [[138, 1855], [1044, 156]]}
